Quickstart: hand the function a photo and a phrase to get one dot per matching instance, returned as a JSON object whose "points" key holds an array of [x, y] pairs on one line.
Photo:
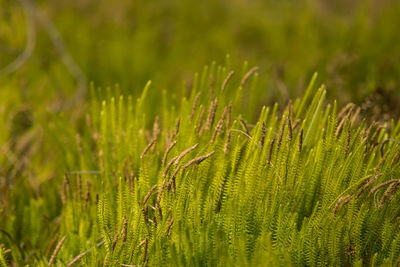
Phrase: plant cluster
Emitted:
{"points": [[201, 184]]}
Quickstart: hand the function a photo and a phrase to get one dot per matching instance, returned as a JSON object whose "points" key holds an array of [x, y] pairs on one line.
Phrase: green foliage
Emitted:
{"points": [[198, 185]]}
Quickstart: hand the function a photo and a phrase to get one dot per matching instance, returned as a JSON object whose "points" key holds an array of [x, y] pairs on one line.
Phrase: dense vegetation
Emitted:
{"points": [[202, 186], [208, 171]]}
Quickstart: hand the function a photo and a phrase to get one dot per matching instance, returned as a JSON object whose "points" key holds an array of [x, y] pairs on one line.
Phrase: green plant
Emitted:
{"points": [[199, 184]]}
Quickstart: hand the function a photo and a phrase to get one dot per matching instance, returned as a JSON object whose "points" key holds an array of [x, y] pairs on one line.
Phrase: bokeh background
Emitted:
{"points": [[353, 45]]}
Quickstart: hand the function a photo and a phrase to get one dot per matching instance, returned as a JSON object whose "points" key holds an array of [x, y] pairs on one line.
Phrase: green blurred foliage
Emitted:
{"points": [[352, 45]]}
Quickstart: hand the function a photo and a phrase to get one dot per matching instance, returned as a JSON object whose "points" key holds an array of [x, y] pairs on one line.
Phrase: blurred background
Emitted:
{"points": [[353, 45]]}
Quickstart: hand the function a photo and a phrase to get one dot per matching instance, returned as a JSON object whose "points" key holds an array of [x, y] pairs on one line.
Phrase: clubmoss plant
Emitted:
{"points": [[199, 184]]}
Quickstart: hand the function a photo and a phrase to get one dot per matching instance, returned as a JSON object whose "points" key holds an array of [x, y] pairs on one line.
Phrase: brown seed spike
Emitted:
{"points": [[300, 140], [290, 129], [87, 196], [172, 182], [228, 77], [141, 243], [281, 134], [198, 160], [51, 245], [196, 99], [247, 76], [211, 116], [176, 129], [169, 166], [200, 121], [147, 148], [227, 143], [56, 250], [115, 240], [341, 202], [156, 128], [368, 131], [144, 251], [145, 211], [355, 116], [244, 125], [379, 186], [389, 192], [263, 134], [124, 231], [167, 151], [376, 133], [185, 152], [169, 225], [381, 162], [159, 210], [80, 187], [345, 110], [396, 158], [77, 258], [217, 130], [365, 185], [149, 194], [211, 86], [341, 124], [271, 148]]}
